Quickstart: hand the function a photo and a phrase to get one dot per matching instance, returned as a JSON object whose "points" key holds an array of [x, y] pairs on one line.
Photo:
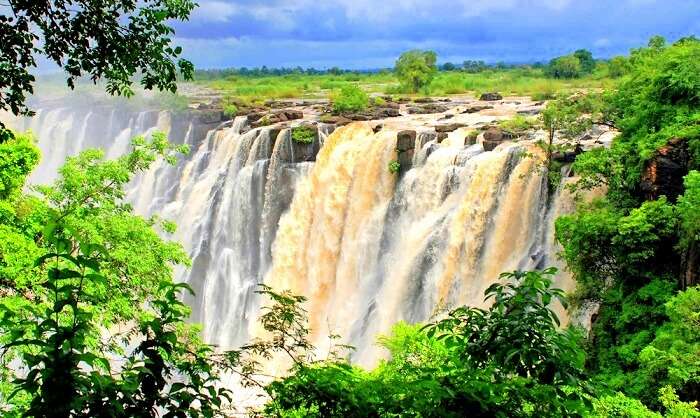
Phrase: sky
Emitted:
{"points": [[368, 34]]}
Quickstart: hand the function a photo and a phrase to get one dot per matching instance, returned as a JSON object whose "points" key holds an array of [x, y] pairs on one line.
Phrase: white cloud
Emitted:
{"points": [[214, 11]]}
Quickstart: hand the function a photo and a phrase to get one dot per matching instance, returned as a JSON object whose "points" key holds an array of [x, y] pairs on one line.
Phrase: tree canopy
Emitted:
{"points": [[112, 40], [416, 69]]}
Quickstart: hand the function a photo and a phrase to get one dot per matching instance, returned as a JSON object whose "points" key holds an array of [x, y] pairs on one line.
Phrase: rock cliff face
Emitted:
{"points": [[663, 176], [663, 173]]}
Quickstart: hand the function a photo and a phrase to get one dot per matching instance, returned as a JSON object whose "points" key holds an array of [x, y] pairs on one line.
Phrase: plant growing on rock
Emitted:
{"points": [[394, 167], [304, 134]]}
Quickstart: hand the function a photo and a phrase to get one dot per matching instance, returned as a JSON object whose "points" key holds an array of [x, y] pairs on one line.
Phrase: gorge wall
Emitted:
{"points": [[328, 219]]}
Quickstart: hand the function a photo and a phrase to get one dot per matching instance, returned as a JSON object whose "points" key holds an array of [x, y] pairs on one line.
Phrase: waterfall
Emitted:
{"points": [[368, 250], [326, 220]]}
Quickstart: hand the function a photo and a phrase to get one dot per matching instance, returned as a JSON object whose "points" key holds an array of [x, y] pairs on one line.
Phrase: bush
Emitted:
{"points": [[350, 99], [394, 167], [378, 101], [519, 124], [304, 134], [230, 110]]}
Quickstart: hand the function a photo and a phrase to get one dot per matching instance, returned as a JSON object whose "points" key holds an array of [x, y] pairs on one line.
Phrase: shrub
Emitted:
{"points": [[350, 99], [378, 101], [519, 124], [394, 167], [304, 134], [230, 110]]}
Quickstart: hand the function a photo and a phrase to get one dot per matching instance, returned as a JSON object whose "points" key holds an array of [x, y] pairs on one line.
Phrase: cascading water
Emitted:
{"points": [[368, 247], [369, 251]]}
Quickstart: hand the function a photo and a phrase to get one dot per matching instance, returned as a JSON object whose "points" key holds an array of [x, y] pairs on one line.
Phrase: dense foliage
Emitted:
{"points": [[76, 262], [114, 40], [633, 250], [508, 360]]}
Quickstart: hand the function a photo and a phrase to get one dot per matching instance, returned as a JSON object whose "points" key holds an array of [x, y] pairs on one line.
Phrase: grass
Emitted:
{"points": [[509, 82]]}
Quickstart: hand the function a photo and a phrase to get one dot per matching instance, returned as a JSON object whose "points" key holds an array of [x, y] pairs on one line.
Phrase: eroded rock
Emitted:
{"points": [[663, 173]]}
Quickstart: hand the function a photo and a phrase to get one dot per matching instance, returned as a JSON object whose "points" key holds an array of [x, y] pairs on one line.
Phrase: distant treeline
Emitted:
{"points": [[569, 66]]}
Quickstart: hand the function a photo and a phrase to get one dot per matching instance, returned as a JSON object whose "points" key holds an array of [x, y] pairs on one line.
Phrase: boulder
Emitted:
{"points": [[490, 97], [405, 148], [477, 108], [663, 173], [373, 114], [257, 119], [377, 128], [423, 100], [405, 140], [441, 136], [493, 137], [209, 116], [336, 120], [567, 156], [449, 127], [427, 109]]}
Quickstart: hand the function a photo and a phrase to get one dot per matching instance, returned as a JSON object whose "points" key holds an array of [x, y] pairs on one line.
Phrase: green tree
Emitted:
{"points": [[627, 253], [416, 69], [618, 66], [508, 360], [568, 66], [585, 57], [113, 39], [76, 262]]}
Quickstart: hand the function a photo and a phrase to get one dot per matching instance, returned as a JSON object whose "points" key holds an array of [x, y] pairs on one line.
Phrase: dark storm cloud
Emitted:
{"points": [[371, 33]]}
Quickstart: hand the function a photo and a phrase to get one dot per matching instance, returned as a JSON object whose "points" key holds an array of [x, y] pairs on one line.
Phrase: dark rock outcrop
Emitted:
{"points": [[493, 137], [490, 97], [427, 109], [336, 120], [261, 119], [663, 173], [373, 114], [293, 151], [477, 108], [405, 140], [449, 127], [567, 156], [405, 147]]}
